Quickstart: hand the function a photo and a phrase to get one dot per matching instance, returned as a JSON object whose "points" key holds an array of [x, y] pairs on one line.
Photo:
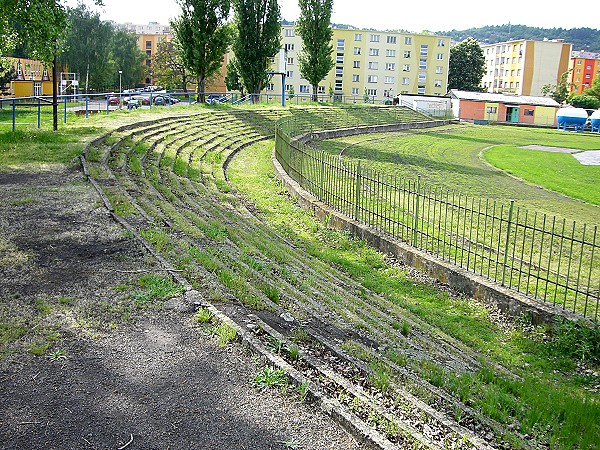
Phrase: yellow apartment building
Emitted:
{"points": [[584, 69], [379, 64], [523, 67], [31, 78], [148, 38]]}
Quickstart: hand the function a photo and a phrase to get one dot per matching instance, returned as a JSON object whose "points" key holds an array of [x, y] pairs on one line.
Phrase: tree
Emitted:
{"points": [[560, 91], [315, 59], [584, 101], [127, 57], [203, 37], [167, 67], [7, 74], [258, 39], [89, 47], [594, 91], [466, 66], [232, 77]]}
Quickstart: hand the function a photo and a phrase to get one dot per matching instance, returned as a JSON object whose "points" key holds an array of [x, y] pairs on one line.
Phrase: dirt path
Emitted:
{"points": [[111, 373]]}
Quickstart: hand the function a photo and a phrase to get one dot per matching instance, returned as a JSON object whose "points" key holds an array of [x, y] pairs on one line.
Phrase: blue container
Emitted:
{"points": [[571, 118]]}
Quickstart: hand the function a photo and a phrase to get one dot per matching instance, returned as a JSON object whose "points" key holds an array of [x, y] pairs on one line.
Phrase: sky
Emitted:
{"points": [[413, 16]]}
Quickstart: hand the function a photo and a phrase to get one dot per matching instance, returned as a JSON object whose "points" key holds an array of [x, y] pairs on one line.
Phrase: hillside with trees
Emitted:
{"points": [[582, 38]]}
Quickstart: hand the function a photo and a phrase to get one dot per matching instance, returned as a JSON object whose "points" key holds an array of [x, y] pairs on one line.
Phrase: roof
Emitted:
{"points": [[503, 98]]}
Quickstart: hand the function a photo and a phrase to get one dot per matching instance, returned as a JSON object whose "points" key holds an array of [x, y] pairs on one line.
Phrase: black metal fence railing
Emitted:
{"points": [[551, 259]]}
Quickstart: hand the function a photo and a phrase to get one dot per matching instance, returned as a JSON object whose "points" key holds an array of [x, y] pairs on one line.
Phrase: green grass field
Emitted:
{"points": [[473, 160]]}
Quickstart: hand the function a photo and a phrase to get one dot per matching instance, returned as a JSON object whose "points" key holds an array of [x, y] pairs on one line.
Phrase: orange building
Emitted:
{"points": [[584, 69]]}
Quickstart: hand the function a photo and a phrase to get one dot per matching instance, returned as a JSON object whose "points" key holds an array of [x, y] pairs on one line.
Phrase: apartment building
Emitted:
{"points": [[148, 38], [379, 64], [584, 69], [523, 67]]}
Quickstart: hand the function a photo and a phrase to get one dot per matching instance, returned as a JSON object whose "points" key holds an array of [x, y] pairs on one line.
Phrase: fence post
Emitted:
{"points": [[65, 110], [357, 194], [87, 103], [510, 214], [14, 115], [416, 220], [322, 175], [39, 113]]}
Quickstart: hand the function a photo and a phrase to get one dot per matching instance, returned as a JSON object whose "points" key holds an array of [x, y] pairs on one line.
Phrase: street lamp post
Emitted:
{"points": [[120, 88]]}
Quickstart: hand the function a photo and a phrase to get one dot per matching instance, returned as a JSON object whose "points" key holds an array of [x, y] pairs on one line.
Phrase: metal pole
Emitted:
{"points": [[87, 102], [14, 115], [510, 214], [39, 113], [65, 110], [357, 193]]}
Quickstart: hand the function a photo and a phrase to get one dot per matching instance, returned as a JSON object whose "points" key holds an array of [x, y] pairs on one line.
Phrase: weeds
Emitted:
{"points": [[269, 377], [203, 315], [225, 334]]}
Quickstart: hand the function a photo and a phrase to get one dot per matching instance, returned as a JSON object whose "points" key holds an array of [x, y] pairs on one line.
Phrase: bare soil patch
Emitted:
{"points": [[110, 372]]}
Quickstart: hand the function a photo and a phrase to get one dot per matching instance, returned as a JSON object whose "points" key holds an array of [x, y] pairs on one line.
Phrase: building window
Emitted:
{"points": [[442, 43], [390, 66], [304, 89], [289, 32], [423, 63], [270, 87], [372, 79], [438, 83], [439, 69], [528, 112], [421, 90], [374, 38], [355, 77], [373, 65], [339, 72], [148, 54], [290, 74], [289, 87], [338, 85], [424, 50], [405, 80], [440, 56], [357, 37], [356, 64], [406, 68], [341, 44], [357, 50], [390, 53], [391, 39], [288, 47], [491, 109], [407, 53], [355, 91], [388, 80], [321, 89], [422, 77], [408, 40], [148, 44], [372, 92], [373, 52], [289, 61], [339, 58]]}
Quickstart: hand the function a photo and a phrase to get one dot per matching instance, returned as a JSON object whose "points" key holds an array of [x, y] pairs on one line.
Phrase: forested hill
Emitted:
{"points": [[582, 38]]}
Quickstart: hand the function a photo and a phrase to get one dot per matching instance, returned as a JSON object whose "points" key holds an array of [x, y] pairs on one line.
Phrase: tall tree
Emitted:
{"points": [[315, 59], [203, 37], [232, 77], [167, 67], [89, 44], [126, 57], [258, 39], [466, 66]]}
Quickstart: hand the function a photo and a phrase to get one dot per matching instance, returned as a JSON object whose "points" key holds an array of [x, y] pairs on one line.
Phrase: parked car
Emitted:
{"points": [[113, 101], [214, 99], [165, 100]]}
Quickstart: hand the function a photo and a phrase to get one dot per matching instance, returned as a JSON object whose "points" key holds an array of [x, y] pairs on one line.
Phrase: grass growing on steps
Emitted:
{"points": [[554, 400]]}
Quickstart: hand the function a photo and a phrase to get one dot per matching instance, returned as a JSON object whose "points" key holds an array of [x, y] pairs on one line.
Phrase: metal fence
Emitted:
{"points": [[542, 256], [36, 111]]}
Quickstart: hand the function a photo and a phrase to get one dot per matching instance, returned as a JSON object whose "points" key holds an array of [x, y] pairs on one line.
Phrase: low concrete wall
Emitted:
{"points": [[470, 284]]}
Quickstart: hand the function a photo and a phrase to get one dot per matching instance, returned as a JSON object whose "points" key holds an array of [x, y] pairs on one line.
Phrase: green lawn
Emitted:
{"points": [[455, 158]]}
